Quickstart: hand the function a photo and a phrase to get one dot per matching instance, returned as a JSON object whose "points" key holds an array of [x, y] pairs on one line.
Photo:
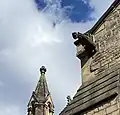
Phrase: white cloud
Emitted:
{"points": [[28, 40], [10, 110]]}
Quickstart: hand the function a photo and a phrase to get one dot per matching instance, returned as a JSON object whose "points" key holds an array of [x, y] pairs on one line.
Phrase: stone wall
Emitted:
{"points": [[96, 91], [111, 107], [99, 93], [107, 40]]}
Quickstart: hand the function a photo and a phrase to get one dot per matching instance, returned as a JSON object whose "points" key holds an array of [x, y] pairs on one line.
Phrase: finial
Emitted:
{"points": [[43, 69]]}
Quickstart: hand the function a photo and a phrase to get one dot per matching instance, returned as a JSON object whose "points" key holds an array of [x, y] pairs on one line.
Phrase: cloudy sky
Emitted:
{"points": [[35, 33]]}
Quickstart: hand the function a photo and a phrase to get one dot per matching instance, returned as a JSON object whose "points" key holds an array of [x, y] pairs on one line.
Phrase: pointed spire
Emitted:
{"points": [[42, 88], [41, 97]]}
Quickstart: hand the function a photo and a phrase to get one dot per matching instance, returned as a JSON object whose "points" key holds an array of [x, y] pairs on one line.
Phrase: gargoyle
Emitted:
{"points": [[85, 45]]}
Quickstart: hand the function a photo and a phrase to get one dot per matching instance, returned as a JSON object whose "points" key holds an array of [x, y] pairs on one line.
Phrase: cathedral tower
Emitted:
{"points": [[41, 102]]}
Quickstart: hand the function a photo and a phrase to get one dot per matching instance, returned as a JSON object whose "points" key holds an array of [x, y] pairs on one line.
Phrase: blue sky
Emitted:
{"points": [[76, 10], [80, 10], [29, 40]]}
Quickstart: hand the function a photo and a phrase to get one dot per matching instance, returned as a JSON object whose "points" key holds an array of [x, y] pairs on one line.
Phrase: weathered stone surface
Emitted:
{"points": [[41, 102], [111, 109], [100, 92], [107, 40]]}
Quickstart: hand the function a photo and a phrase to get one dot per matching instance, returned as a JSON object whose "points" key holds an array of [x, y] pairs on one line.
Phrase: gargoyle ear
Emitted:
{"points": [[74, 35]]}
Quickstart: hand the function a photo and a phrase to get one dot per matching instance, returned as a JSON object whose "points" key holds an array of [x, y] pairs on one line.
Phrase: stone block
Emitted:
{"points": [[111, 109], [117, 112], [102, 112]]}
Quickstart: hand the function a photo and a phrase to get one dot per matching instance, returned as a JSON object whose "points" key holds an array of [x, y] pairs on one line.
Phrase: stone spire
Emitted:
{"points": [[42, 88], [41, 102]]}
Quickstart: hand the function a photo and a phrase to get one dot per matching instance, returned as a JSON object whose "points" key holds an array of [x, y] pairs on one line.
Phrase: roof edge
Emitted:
{"points": [[98, 23]]}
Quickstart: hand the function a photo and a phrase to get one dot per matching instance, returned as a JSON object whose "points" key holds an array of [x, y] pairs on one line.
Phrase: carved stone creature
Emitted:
{"points": [[68, 99], [87, 45]]}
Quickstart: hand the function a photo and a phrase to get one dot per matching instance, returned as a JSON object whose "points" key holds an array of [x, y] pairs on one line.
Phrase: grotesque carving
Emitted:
{"points": [[86, 48], [68, 99], [51, 110], [29, 110]]}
